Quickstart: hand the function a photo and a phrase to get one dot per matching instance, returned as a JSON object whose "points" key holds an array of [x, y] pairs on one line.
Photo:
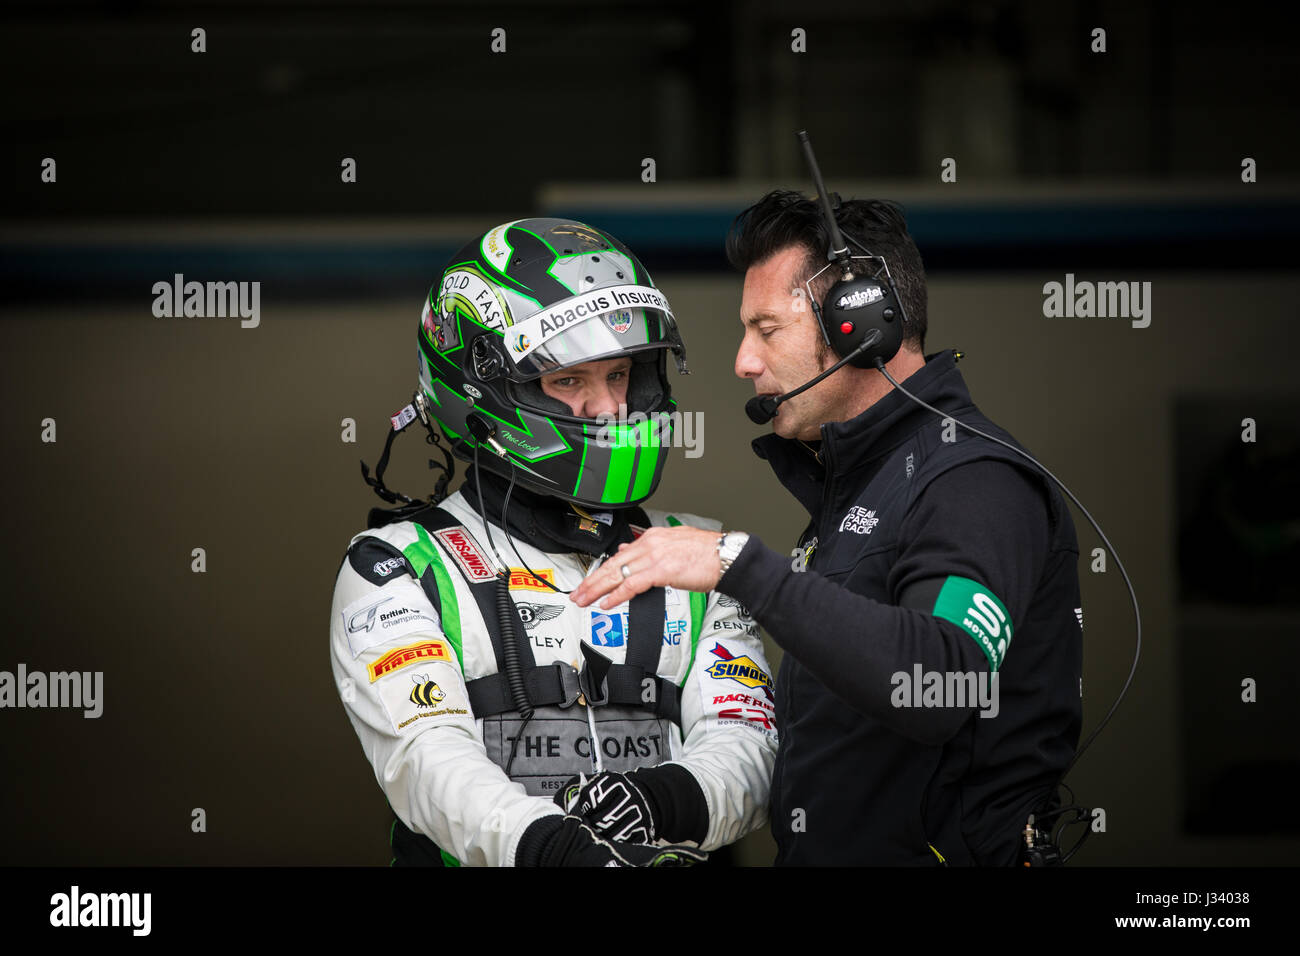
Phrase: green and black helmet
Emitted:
{"points": [[536, 296]]}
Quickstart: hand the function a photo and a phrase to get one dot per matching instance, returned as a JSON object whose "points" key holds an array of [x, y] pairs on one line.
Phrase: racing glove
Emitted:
{"points": [[568, 841], [643, 806]]}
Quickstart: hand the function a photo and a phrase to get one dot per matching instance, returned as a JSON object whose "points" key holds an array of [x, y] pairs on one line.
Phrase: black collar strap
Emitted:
{"points": [[547, 523]]}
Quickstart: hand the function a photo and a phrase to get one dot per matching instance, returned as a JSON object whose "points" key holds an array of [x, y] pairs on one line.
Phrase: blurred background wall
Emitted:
{"points": [[1123, 165]]}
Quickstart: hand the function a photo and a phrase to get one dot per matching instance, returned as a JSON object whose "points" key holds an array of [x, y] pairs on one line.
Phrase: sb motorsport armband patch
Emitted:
{"points": [[974, 609]]}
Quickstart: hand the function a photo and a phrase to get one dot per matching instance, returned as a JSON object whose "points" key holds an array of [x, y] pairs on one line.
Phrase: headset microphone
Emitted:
{"points": [[761, 409]]}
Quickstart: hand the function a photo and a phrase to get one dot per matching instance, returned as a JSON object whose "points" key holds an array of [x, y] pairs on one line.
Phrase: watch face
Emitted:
{"points": [[730, 545]]}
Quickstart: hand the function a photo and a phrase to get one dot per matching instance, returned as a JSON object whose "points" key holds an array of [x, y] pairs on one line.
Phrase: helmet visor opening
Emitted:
{"points": [[648, 389]]}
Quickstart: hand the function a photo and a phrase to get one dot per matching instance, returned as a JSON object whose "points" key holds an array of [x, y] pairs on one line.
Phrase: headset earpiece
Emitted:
{"points": [[856, 305], [852, 308]]}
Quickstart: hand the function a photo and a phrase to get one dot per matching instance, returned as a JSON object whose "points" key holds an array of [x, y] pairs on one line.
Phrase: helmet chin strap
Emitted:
{"points": [[400, 422], [377, 482]]}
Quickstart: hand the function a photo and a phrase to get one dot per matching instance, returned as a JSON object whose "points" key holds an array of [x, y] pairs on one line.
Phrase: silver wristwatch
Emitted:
{"points": [[729, 547]]}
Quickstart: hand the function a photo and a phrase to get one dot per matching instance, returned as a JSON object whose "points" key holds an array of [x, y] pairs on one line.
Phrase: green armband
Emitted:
{"points": [[974, 609]]}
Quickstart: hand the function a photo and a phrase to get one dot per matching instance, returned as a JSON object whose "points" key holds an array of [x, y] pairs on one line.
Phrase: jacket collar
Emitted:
{"points": [[869, 437], [548, 524]]}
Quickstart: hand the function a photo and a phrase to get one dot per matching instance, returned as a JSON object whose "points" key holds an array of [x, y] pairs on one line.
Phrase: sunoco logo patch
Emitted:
{"points": [[742, 670]]}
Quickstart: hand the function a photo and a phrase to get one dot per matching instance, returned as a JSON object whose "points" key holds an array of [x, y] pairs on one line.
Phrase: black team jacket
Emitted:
{"points": [[933, 558]]}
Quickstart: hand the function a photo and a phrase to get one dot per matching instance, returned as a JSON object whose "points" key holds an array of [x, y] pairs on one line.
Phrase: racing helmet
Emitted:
{"points": [[532, 297]]}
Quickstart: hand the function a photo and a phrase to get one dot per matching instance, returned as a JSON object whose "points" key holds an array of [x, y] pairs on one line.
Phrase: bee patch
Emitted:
{"points": [[426, 693], [422, 696]]}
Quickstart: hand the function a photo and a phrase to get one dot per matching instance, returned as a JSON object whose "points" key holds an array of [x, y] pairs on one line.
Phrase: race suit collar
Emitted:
{"points": [[547, 523], [866, 439]]}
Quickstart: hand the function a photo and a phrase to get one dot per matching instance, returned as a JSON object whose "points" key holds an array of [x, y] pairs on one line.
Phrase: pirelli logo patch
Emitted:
{"points": [[399, 657], [974, 609], [521, 580]]}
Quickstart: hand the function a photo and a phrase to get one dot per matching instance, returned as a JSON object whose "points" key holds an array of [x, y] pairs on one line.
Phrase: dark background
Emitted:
{"points": [[183, 433]]}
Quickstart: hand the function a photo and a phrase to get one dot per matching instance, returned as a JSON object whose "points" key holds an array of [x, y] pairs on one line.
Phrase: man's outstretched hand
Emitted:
{"points": [[680, 557]]}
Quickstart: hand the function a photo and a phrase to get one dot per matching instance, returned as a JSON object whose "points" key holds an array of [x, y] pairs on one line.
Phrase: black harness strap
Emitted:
{"points": [[558, 683], [627, 681], [555, 683]]}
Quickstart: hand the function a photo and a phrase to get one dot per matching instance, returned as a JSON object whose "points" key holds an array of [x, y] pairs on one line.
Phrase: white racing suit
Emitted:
{"points": [[409, 645]]}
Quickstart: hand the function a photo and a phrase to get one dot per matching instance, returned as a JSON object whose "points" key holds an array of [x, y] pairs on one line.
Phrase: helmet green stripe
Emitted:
{"points": [[621, 459], [647, 458]]}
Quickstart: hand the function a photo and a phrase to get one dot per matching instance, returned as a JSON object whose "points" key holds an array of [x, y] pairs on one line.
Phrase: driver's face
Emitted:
{"points": [[591, 389]]}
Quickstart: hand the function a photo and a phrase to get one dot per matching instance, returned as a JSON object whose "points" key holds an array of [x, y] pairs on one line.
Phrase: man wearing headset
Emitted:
{"points": [[505, 725], [935, 561]]}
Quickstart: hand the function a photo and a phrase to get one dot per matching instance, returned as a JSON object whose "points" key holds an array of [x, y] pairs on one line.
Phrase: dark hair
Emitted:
{"points": [[784, 218]]}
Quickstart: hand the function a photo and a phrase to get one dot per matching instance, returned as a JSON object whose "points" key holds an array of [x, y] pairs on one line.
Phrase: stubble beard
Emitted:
{"points": [[824, 359]]}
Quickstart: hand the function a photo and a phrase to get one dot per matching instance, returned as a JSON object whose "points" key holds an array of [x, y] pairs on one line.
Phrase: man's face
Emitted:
{"points": [[591, 389], [783, 346]]}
